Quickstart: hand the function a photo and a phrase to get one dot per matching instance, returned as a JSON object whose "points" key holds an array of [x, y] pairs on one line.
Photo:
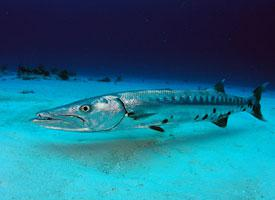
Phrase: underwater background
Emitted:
{"points": [[175, 39], [56, 52]]}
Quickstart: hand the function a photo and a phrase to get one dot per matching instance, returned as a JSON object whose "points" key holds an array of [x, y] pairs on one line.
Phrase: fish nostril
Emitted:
{"points": [[39, 115], [42, 115]]}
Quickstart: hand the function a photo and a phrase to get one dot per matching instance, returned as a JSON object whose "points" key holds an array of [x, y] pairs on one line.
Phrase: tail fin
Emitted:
{"points": [[255, 102]]}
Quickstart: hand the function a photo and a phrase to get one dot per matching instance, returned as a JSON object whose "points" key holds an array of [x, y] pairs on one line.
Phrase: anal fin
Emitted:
{"points": [[156, 128], [222, 122]]}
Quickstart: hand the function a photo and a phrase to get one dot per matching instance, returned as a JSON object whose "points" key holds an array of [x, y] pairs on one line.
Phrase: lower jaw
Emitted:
{"points": [[68, 129]]}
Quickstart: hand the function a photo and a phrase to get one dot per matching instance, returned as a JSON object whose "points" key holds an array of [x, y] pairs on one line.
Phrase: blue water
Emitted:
{"points": [[191, 161], [175, 39], [173, 44]]}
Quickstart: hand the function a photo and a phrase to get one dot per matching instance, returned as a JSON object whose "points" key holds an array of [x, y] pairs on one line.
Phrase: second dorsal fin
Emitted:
{"points": [[219, 87]]}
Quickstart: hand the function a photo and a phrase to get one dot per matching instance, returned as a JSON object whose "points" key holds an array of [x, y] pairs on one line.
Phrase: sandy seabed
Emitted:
{"points": [[193, 161]]}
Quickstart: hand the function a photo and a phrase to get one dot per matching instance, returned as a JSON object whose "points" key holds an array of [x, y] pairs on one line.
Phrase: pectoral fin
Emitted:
{"points": [[222, 122], [137, 116]]}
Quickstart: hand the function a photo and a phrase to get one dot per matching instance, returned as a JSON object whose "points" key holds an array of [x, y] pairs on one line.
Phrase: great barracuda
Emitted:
{"points": [[154, 109]]}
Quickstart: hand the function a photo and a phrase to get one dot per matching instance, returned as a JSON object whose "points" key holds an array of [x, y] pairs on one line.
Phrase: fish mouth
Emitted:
{"points": [[61, 121], [76, 116], [45, 118]]}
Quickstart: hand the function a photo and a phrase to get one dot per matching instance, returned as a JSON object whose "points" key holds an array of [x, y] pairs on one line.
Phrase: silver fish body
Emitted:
{"points": [[159, 107], [154, 109]]}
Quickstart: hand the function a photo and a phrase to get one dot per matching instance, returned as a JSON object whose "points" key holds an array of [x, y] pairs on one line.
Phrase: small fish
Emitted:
{"points": [[153, 109]]}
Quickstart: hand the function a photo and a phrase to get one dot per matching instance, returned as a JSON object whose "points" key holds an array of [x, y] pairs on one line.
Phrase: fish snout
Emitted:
{"points": [[59, 121], [44, 116]]}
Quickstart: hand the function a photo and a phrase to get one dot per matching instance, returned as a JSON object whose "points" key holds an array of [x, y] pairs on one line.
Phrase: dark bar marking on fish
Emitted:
{"points": [[171, 117], [195, 101], [229, 113], [249, 103], [206, 99], [201, 100], [187, 100], [214, 110], [239, 101], [218, 100], [165, 121], [173, 98], [156, 128], [205, 117], [212, 99], [226, 100], [197, 117]]}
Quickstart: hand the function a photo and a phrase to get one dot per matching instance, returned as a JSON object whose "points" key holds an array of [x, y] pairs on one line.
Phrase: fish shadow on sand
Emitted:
{"points": [[122, 154]]}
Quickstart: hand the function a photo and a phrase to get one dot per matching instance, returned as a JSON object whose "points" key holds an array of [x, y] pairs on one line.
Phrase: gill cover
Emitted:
{"points": [[106, 113]]}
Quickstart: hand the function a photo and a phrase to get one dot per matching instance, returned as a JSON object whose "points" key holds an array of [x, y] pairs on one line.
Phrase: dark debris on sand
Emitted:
{"points": [[118, 79], [29, 73], [63, 75], [105, 79], [3, 69], [40, 71], [27, 92]]}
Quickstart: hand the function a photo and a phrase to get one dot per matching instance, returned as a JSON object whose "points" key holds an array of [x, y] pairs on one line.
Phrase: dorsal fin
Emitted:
{"points": [[219, 87], [222, 122]]}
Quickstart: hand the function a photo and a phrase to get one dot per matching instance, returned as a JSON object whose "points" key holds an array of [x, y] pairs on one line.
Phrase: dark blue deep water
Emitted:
{"points": [[164, 39]]}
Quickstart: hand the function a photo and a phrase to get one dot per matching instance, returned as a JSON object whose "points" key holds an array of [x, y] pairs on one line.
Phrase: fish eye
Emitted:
{"points": [[85, 108]]}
